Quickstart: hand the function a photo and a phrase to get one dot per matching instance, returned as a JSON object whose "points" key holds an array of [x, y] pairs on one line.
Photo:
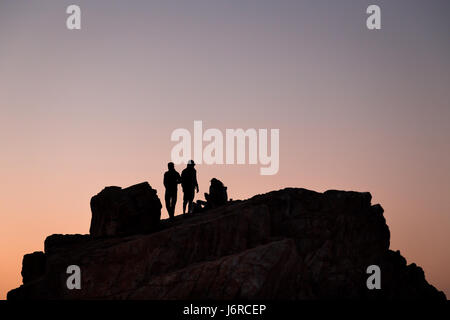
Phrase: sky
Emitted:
{"points": [[356, 109]]}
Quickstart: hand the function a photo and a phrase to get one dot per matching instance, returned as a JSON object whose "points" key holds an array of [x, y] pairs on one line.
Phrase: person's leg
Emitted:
{"points": [[186, 199], [184, 203], [174, 202], [170, 209], [191, 199], [167, 200]]}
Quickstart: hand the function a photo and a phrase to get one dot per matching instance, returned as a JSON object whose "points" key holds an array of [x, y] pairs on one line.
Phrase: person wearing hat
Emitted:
{"points": [[189, 185], [171, 181]]}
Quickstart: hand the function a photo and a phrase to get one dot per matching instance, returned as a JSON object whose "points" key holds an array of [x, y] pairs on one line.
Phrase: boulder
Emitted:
{"points": [[118, 212], [33, 266]]}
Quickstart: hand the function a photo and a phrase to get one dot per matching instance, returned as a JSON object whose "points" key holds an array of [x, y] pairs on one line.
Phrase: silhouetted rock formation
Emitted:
{"points": [[117, 211], [33, 266], [287, 244]]}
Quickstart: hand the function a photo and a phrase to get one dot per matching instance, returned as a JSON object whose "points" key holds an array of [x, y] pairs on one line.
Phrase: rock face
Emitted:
{"points": [[117, 211], [288, 244], [33, 266]]}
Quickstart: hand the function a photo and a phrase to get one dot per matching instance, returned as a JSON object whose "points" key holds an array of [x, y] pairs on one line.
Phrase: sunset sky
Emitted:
{"points": [[356, 109]]}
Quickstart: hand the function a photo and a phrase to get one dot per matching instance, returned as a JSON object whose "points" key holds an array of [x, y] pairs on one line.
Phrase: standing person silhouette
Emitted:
{"points": [[189, 184], [171, 181]]}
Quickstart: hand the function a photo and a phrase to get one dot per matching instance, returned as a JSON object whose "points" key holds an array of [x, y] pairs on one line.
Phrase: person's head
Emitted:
{"points": [[216, 182], [191, 163], [171, 166]]}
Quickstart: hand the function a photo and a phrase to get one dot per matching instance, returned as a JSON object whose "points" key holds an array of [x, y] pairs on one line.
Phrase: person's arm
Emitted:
{"points": [[165, 180], [195, 180]]}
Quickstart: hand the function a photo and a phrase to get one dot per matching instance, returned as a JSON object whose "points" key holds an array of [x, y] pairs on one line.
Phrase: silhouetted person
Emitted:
{"points": [[189, 184], [171, 180], [217, 194]]}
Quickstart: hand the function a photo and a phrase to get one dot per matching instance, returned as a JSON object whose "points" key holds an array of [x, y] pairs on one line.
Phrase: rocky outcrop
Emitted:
{"points": [[33, 266], [117, 211], [288, 244]]}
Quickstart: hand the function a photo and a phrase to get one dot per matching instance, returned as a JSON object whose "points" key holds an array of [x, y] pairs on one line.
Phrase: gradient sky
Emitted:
{"points": [[357, 109]]}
